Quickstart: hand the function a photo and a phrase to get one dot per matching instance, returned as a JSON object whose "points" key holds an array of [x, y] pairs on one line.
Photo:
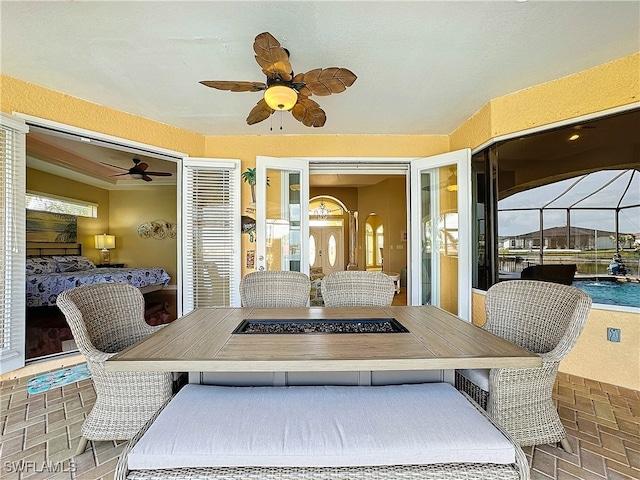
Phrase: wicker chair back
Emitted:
{"points": [[356, 288], [104, 319], [275, 289], [539, 316]]}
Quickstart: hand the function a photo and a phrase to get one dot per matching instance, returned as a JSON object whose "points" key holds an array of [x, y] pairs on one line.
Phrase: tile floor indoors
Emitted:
{"points": [[40, 433]]}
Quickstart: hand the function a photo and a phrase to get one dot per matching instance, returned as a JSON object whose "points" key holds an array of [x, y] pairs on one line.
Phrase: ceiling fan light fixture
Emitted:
{"points": [[137, 176], [280, 97]]}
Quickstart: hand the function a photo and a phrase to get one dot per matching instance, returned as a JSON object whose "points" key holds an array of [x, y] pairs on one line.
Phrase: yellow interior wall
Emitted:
{"points": [[388, 201], [128, 209], [43, 182]]}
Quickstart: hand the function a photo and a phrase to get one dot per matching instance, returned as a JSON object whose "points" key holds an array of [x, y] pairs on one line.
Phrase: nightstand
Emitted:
{"points": [[110, 265]]}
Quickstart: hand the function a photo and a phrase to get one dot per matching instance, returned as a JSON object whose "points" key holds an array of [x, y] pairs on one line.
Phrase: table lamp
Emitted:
{"points": [[105, 242]]}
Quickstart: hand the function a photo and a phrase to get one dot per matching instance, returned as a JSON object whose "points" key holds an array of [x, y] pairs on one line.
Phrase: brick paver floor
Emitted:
{"points": [[39, 434]]}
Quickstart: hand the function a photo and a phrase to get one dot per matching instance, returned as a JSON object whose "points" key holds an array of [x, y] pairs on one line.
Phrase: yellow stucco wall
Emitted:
{"points": [[23, 97], [607, 86]]}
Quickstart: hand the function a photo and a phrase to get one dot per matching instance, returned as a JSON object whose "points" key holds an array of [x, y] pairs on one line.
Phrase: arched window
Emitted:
{"points": [[379, 244], [369, 240]]}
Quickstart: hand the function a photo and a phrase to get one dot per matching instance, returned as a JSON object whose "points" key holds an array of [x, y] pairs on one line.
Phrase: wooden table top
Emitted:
{"points": [[203, 341]]}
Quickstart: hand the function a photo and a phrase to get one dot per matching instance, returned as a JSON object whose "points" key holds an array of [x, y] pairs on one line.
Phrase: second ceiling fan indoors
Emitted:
{"points": [[139, 171], [285, 91]]}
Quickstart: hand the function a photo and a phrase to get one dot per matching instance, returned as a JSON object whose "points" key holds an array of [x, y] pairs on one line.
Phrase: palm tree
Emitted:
{"points": [[249, 176]]}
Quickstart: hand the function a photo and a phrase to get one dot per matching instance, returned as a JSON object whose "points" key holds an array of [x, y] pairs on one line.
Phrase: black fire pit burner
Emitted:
{"points": [[356, 325]]}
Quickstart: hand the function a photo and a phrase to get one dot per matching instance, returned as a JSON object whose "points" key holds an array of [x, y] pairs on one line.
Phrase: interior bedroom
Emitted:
{"points": [[115, 226]]}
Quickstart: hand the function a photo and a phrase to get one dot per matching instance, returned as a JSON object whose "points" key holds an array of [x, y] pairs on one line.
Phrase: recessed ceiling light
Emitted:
{"points": [[573, 137]]}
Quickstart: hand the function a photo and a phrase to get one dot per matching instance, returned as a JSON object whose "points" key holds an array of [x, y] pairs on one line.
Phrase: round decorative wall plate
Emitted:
{"points": [[144, 230]]}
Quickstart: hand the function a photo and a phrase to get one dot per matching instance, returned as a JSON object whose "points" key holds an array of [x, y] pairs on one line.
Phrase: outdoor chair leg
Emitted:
{"points": [[82, 446], [566, 446]]}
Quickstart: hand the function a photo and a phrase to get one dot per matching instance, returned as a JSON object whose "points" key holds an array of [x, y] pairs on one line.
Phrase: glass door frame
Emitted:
{"points": [[301, 166], [461, 159]]}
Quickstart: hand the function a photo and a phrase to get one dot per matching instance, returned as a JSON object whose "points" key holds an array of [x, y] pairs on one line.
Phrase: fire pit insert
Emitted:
{"points": [[356, 325]]}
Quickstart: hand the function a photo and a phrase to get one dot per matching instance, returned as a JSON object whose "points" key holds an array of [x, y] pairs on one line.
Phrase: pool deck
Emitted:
{"points": [[617, 278]]}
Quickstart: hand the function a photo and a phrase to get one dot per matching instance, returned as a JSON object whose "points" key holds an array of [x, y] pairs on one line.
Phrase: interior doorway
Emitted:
{"points": [[328, 237], [374, 194], [326, 248]]}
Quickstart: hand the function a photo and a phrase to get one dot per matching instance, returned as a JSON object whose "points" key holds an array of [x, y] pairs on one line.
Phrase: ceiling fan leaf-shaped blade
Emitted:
{"points": [[272, 57], [159, 174], [260, 112], [141, 167], [323, 82], [309, 113], [147, 178], [345, 76], [235, 86]]}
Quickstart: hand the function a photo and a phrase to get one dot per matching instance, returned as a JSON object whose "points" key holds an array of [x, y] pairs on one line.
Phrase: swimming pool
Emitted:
{"points": [[610, 292]]}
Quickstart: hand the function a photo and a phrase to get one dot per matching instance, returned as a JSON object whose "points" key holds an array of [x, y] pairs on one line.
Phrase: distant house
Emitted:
{"points": [[578, 238]]}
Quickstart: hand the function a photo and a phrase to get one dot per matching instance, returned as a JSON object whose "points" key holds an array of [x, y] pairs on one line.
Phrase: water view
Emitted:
{"points": [[610, 292]]}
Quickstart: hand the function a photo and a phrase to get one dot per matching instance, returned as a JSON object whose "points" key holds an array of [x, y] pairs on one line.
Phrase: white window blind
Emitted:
{"points": [[211, 233], [46, 202], [12, 252]]}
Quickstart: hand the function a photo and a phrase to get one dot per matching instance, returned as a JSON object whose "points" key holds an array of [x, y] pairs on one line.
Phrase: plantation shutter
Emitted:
{"points": [[211, 233], [13, 250]]}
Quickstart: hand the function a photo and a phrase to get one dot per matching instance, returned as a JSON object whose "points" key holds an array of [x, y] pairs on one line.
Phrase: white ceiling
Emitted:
{"points": [[423, 67]]}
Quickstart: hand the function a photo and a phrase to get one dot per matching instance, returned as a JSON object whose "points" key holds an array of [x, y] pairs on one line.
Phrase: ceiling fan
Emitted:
{"points": [[139, 171], [285, 91]]}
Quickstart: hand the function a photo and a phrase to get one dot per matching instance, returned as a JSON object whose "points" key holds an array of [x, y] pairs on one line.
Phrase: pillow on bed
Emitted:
{"points": [[73, 263], [37, 265]]}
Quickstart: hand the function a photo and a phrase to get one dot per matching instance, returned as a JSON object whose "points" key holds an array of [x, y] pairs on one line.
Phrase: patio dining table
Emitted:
{"points": [[433, 343]]}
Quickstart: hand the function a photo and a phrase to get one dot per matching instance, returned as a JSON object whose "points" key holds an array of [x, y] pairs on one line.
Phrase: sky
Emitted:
{"points": [[592, 200]]}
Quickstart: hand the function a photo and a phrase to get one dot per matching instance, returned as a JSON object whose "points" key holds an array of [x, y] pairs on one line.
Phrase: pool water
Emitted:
{"points": [[611, 293]]}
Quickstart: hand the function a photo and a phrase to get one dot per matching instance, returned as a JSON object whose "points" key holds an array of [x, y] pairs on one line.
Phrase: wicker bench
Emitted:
{"points": [[425, 431]]}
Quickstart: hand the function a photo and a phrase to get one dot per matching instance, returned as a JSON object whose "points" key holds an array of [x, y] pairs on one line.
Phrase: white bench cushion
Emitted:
{"points": [[319, 426]]}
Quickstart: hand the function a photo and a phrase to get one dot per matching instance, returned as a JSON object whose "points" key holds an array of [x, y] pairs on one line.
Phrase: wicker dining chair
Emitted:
{"points": [[545, 318], [274, 289], [355, 288], [106, 318]]}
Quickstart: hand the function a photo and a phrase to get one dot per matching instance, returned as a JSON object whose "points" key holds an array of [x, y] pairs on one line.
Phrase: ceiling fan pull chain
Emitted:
{"points": [[280, 119]]}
